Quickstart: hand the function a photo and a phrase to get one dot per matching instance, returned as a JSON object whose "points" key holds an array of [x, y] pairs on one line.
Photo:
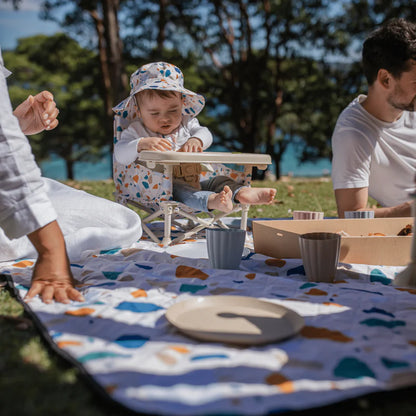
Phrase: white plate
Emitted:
{"points": [[234, 319]]}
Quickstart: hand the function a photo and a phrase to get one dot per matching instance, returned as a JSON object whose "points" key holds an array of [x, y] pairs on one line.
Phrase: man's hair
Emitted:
{"points": [[389, 47], [145, 94]]}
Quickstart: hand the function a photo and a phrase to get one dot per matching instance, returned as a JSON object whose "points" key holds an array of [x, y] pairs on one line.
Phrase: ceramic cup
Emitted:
{"points": [[308, 215], [359, 214], [225, 247], [320, 255]]}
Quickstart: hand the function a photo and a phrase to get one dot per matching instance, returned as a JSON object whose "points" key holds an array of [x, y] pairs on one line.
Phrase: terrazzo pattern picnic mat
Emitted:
{"points": [[359, 334]]}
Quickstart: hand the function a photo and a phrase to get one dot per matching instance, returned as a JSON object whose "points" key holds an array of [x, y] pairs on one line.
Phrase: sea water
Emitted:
{"points": [[55, 167]]}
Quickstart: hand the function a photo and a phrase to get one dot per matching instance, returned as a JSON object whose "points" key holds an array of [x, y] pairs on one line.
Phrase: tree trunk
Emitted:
{"points": [[69, 169]]}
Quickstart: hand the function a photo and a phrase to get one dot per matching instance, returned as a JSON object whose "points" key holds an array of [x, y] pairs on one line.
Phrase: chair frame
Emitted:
{"points": [[170, 209]]}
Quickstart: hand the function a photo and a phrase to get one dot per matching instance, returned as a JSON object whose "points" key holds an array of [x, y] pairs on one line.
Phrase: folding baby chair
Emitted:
{"points": [[147, 185]]}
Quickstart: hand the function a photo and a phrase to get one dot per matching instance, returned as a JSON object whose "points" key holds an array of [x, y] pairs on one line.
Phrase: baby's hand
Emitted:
{"points": [[154, 143], [192, 145]]}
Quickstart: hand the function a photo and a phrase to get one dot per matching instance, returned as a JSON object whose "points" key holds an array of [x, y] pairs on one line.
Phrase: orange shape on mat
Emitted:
{"points": [[316, 292], [275, 262], [250, 276], [180, 348], [280, 381], [80, 312], [139, 293], [190, 272], [111, 388], [312, 332], [332, 304], [23, 263], [63, 344]]}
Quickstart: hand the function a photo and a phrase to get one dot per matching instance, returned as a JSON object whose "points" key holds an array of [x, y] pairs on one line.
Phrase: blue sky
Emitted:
{"points": [[22, 23]]}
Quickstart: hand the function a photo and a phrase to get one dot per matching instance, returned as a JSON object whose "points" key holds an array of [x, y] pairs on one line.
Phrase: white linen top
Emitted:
{"points": [[125, 149], [368, 152], [24, 204]]}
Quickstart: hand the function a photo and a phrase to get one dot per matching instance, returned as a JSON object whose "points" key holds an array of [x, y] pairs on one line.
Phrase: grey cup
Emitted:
{"points": [[359, 214], [225, 247], [320, 255]]}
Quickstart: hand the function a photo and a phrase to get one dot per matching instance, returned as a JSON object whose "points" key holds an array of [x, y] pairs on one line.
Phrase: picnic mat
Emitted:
{"points": [[359, 334]]}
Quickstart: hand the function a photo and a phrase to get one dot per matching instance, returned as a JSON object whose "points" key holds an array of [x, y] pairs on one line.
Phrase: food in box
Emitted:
{"points": [[364, 241]]}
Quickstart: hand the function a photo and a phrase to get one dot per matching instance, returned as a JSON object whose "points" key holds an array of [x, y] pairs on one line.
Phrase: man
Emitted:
{"points": [[374, 140]]}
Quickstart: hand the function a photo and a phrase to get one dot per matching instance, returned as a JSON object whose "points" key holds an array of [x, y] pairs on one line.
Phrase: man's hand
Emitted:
{"points": [[37, 113], [192, 145], [52, 277], [154, 143]]}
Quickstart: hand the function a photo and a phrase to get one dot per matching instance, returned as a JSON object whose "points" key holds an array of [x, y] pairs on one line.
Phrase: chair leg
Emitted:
{"points": [[244, 215], [168, 211]]}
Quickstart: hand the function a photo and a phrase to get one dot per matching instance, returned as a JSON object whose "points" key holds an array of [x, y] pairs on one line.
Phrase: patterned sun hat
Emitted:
{"points": [[161, 76]]}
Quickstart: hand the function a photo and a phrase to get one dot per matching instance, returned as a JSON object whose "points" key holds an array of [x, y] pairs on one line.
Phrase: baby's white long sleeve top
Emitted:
{"points": [[125, 149]]}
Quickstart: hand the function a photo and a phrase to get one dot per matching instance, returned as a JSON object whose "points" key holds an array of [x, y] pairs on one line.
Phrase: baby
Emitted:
{"points": [[166, 121]]}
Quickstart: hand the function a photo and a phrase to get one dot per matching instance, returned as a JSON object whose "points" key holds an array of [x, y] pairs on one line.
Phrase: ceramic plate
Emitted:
{"points": [[234, 319]]}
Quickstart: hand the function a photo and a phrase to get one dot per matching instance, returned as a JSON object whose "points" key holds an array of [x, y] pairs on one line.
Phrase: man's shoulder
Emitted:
{"points": [[354, 111]]}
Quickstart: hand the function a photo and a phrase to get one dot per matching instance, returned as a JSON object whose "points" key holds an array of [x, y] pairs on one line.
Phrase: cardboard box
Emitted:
{"points": [[280, 239]]}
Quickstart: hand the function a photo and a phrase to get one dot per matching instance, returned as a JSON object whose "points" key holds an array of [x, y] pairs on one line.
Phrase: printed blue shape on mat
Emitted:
{"points": [[377, 275], [377, 310], [110, 251], [381, 322], [209, 356], [350, 367], [111, 275], [101, 354], [394, 363], [131, 341], [296, 270], [191, 288], [139, 307]]}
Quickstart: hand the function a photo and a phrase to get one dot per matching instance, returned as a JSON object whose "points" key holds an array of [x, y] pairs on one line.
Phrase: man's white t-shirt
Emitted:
{"points": [[368, 152]]}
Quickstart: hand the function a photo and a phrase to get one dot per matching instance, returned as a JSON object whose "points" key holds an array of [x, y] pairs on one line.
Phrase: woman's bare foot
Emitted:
{"points": [[255, 196], [221, 201]]}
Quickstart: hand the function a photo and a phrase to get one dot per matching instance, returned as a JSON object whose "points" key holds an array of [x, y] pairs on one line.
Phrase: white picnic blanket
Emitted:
{"points": [[359, 334]]}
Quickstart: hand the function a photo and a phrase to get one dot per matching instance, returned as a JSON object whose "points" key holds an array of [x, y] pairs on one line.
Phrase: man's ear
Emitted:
{"points": [[384, 78]]}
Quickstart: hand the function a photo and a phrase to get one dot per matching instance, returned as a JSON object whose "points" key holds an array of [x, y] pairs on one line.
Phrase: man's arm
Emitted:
{"points": [[356, 199]]}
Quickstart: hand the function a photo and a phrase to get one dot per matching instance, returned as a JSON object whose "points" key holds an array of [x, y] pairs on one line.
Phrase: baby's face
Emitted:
{"points": [[163, 115]]}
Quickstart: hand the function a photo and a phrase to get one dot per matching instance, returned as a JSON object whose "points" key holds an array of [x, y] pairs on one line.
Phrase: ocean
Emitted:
{"points": [[55, 168]]}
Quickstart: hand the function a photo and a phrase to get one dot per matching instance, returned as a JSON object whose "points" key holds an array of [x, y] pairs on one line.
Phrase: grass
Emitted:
{"points": [[36, 382]]}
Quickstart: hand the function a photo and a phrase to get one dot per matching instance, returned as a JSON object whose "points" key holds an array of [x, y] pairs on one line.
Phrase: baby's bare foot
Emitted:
{"points": [[221, 201], [256, 196]]}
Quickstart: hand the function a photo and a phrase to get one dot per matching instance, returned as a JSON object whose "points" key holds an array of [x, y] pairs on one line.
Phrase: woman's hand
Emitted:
{"points": [[52, 277], [37, 113]]}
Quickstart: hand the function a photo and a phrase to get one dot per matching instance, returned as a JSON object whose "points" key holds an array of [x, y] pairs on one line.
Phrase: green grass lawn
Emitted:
{"points": [[36, 382]]}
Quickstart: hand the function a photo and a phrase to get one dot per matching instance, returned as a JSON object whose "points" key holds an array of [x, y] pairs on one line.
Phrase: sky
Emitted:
{"points": [[22, 23]]}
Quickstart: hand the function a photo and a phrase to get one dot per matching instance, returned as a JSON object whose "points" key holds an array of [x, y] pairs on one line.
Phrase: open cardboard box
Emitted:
{"points": [[280, 239]]}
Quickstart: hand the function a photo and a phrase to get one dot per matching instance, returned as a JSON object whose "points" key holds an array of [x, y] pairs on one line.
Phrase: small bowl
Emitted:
{"points": [[308, 215]]}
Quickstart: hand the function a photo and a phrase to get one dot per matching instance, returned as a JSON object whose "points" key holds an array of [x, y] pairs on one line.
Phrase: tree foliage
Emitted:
{"points": [[274, 72], [71, 73]]}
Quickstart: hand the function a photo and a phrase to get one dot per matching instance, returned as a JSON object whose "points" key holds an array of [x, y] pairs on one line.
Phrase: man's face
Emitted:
{"points": [[161, 115], [403, 96]]}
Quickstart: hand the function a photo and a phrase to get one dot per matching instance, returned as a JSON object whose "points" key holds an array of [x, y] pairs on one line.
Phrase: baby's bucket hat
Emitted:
{"points": [[161, 76]]}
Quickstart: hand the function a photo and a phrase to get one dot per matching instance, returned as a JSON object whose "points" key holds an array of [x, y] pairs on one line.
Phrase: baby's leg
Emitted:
{"points": [[221, 201], [255, 196]]}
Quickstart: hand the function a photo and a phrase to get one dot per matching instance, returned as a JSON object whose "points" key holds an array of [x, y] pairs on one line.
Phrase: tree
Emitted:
{"points": [[102, 15], [71, 74]]}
